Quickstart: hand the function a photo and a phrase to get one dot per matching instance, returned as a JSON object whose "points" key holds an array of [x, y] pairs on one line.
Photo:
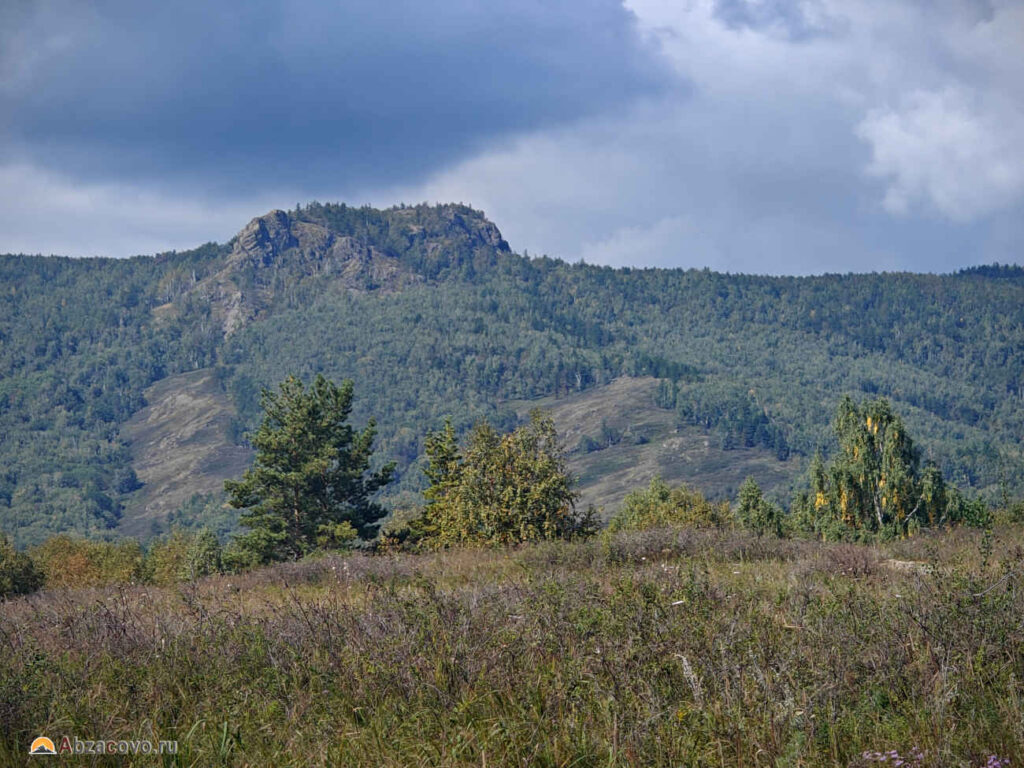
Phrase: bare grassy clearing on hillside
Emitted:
{"points": [[650, 442], [180, 447]]}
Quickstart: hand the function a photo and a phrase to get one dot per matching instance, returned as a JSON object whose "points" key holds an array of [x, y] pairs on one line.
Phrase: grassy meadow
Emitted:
{"points": [[666, 647]]}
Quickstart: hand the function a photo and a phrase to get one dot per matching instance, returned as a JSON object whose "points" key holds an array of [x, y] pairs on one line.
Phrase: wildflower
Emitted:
{"points": [[913, 760]]}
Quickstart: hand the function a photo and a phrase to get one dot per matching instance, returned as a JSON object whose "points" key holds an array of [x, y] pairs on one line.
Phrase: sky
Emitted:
{"points": [[759, 136]]}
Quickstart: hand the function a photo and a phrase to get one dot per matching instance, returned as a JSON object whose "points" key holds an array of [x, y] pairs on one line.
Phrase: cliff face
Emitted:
{"points": [[277, 254], [281, 259], [276, 242]]}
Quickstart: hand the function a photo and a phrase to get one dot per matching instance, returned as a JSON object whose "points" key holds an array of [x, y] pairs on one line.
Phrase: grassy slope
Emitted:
{"points": [[180, 446], [651, 444], [659, 648]]}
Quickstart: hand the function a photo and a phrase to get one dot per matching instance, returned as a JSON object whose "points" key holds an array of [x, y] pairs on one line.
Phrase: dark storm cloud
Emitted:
{"points": [[810, 135], [305, 93]]}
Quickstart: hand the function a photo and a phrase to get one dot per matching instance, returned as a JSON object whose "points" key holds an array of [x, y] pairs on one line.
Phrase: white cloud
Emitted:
{"points": [[44, 212], [948, 149], [662, 244]]}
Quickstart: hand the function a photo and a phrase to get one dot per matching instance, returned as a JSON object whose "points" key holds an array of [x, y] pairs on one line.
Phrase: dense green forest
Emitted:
{"points": [[432, 315]]}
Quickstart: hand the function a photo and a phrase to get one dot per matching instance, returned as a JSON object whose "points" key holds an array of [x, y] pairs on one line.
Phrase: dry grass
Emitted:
{"points": [[656, 648]]}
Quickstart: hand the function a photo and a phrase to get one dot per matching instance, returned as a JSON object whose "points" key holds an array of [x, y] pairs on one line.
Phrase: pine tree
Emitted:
{"points": [[311, 484], [444, 459]]}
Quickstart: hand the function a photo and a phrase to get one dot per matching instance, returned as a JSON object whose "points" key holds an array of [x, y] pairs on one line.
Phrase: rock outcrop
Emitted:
{"points": [[276, 253]]}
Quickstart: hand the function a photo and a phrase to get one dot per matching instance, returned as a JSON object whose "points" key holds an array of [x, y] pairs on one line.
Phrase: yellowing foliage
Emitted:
{"points": [[662, 505], [72, 562]]}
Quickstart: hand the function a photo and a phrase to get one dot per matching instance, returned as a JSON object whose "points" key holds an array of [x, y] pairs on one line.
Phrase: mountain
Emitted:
{"points": [[126, 386]]}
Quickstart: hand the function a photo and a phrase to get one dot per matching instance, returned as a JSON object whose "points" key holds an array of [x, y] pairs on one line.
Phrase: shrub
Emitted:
{"points": [[972, 512], [756, 513], [401, 530], [1009, 513], [18, 574], [67, 561], [182, 556], [661, 505]]}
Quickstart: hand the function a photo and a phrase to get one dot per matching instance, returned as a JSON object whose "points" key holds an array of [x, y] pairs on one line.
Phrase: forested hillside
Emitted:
{"points": [[431, 314]]}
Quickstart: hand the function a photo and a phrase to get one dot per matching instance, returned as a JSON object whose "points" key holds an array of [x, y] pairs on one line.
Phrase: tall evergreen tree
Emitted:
{"points": [[311, 484]]}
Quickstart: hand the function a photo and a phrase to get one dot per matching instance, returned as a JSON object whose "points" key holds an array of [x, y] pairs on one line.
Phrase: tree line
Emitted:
{"points": [[314, 484]]}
